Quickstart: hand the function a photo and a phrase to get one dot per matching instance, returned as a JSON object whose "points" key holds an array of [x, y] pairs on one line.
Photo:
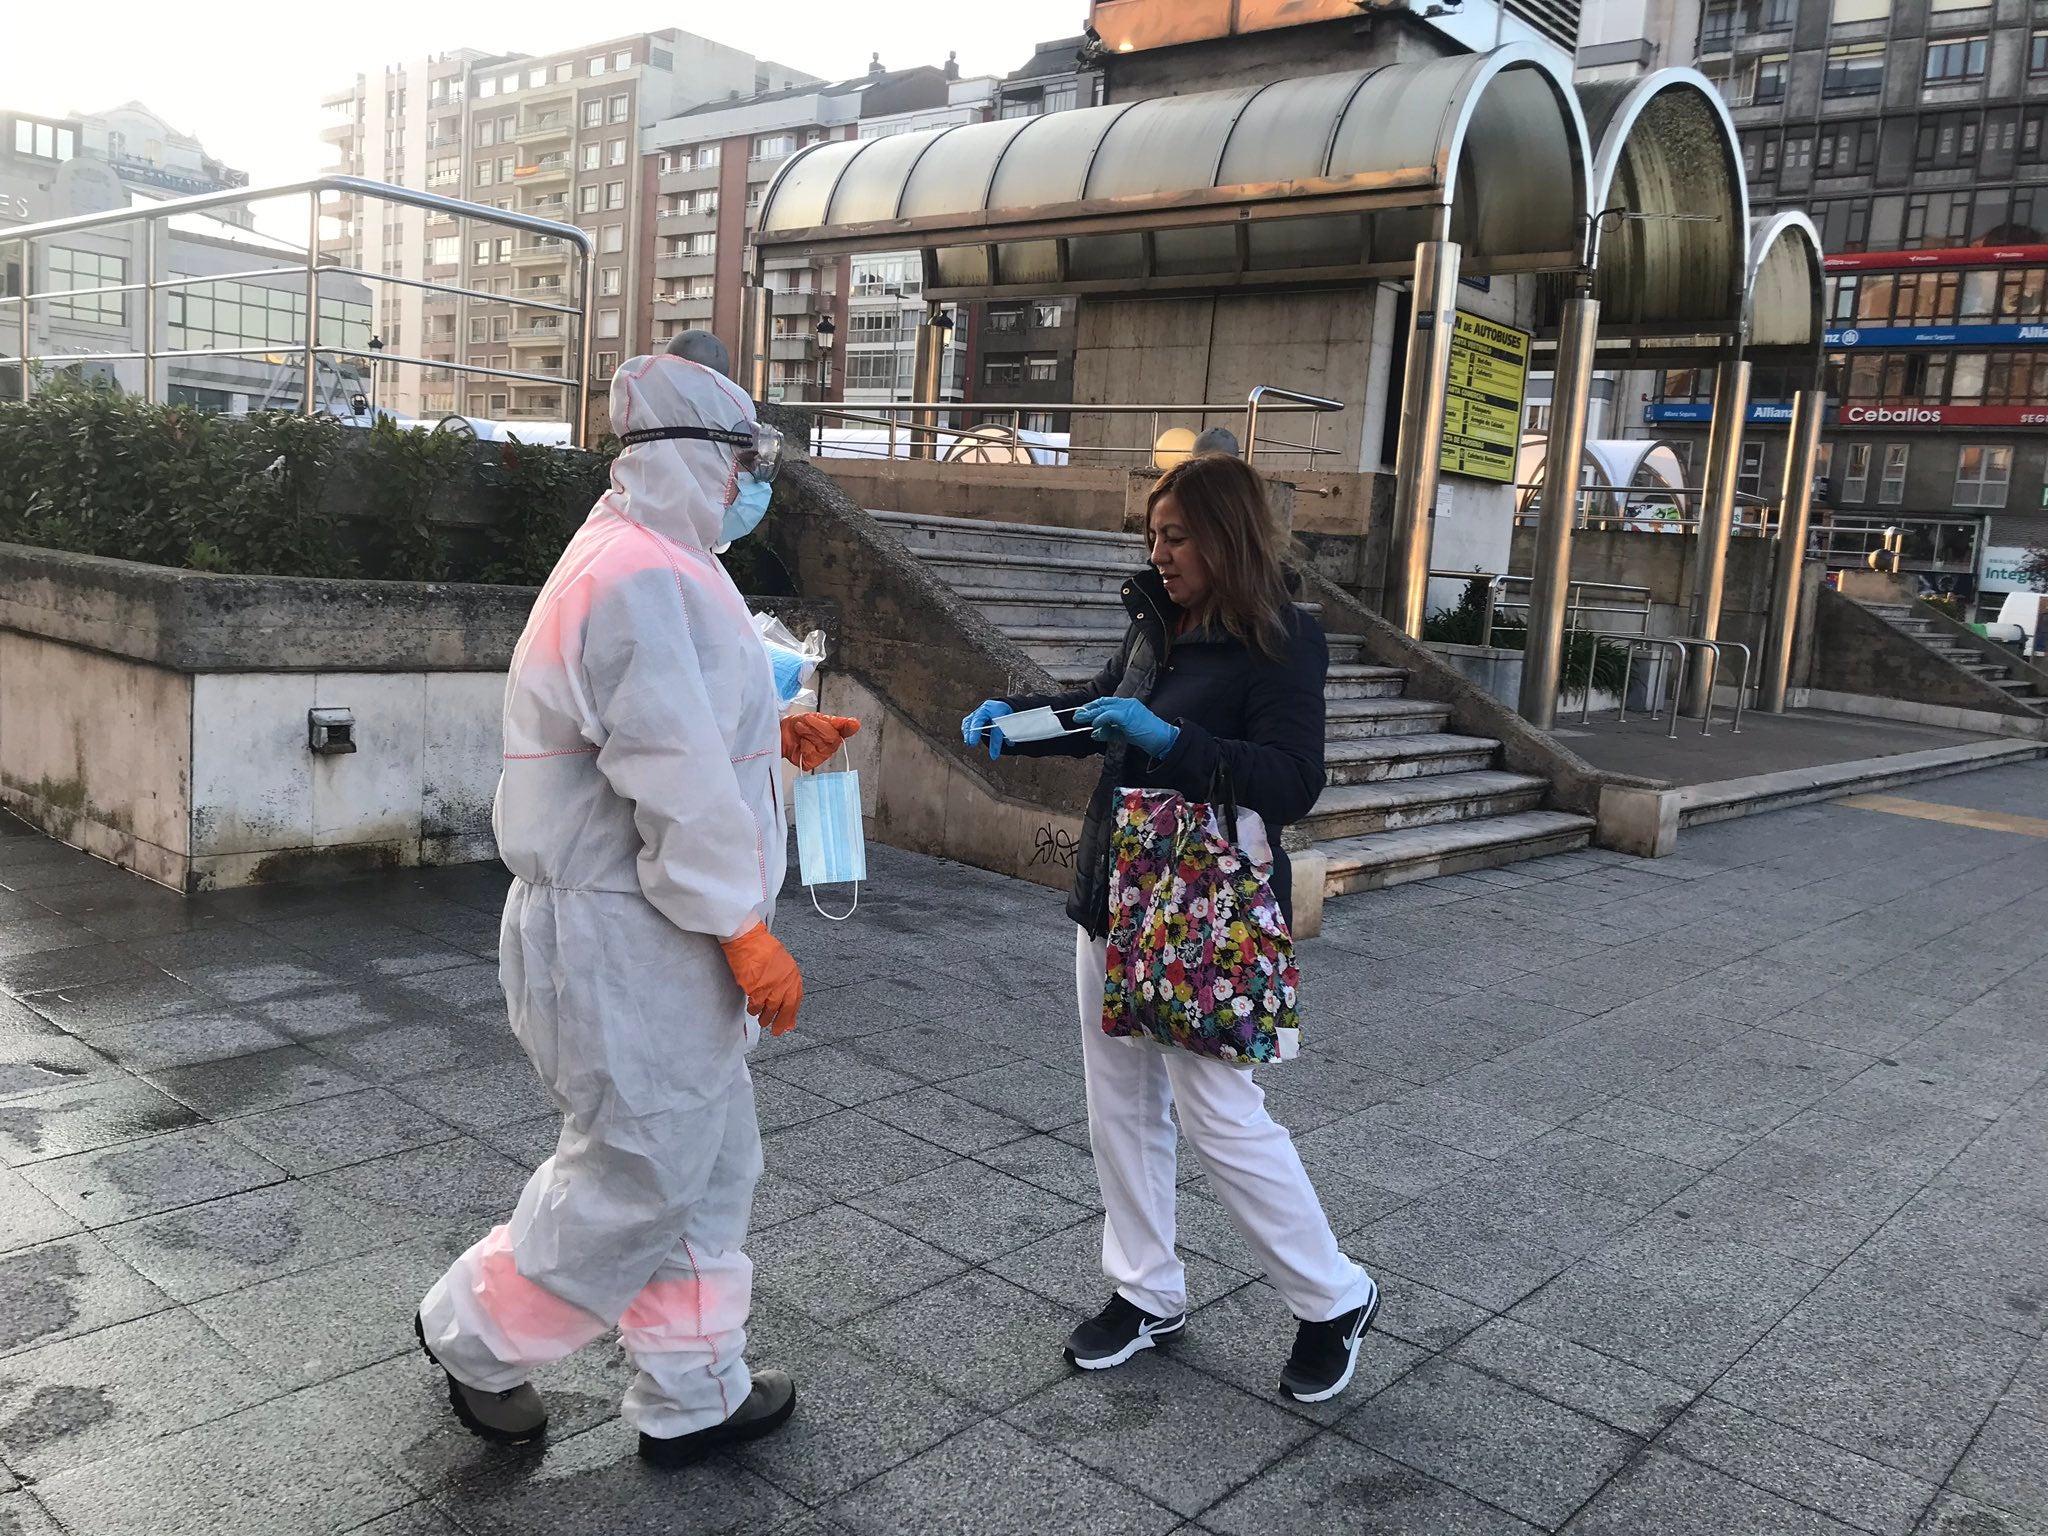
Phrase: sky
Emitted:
{"points": [[245, 76]]}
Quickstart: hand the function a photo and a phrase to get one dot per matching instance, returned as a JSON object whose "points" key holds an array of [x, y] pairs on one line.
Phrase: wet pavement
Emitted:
{"points": [[1708, 1195]]}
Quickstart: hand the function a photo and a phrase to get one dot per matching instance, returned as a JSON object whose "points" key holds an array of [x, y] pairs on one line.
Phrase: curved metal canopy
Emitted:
{"points": [[1329, 178], [1786, 289], [1668, 173]]}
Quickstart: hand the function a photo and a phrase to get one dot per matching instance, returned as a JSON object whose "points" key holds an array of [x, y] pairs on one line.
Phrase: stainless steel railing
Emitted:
{"points": [[155, 218], [997, 430], [1635, 603]]}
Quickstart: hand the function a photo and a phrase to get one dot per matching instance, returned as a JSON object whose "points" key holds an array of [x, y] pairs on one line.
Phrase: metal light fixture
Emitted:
{"points": [[826, 332], [942, 322]]}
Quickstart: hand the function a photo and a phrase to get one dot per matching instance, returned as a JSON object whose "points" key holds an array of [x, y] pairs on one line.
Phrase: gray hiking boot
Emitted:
{"points": [[516, 1417], [766, 1410]]}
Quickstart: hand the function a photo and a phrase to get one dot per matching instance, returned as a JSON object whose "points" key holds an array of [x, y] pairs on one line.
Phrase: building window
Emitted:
{"points": [[2037, 55], [1005, 319], [477, 327], [606, 365], [1042, 370], [1983, 475], [608, 280], [1935, 220], [1946, 141], [1844, 222], [615, 152], [1850, 150], [1048, 317], [701, 245], [593, 113], [1950, 61], [1857, 69], [586, 199], [564, 71], [614, 194], [444, 250], [1891, 487], [480, 253], [607, 322], [1846, 11], [1767, 79], [1749, 476], [486, 133], [707, 156], [622, 61], [597, 66], [997, 371], [773, 146], [484, 177], [621, 108], [1856, 473], [593, 156], [613, 239]]}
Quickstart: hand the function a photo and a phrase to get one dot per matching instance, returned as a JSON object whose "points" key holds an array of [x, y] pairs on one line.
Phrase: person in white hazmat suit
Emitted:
{"points": [[639, 811]]}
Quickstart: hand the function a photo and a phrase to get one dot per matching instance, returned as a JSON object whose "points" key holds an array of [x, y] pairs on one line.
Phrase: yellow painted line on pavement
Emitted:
{"points": [[1958, 815]]}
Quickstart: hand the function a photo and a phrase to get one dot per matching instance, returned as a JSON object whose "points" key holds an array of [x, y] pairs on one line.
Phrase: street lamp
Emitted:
{"points": [[376, 346], [827, 333]]}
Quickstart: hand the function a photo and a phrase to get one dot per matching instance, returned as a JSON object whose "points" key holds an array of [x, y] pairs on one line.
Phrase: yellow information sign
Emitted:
{"points": [[1483, 414]]}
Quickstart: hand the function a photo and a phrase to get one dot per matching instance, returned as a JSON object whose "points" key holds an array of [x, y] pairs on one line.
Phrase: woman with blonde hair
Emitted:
{"points": [[1220, 678]]}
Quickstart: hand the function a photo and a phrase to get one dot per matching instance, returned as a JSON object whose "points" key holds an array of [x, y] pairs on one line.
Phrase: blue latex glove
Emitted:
{"points": [[976, 726], [1128, 720]]}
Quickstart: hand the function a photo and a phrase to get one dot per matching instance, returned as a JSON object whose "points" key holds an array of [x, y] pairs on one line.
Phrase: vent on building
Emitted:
{"points": [[1557, 20]]}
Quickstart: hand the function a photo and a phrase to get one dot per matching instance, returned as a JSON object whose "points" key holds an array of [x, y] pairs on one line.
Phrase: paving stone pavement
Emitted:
{"points": [[1707, 1195]]}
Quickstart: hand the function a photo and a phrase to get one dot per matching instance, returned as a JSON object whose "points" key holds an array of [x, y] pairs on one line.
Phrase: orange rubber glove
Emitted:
{"points": [[811, 741], [768, 975]]}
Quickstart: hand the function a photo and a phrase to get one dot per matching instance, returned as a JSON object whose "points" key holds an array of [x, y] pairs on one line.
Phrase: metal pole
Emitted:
{"points": [[928, 371], [1570, 388], [149, 372], [756, 312], [1724, 463], [312, 300], [28, 286], [585, 352], [1416, 455], [1795, 503]]}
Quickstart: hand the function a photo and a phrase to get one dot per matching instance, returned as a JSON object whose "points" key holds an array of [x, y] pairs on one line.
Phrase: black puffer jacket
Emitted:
{"points": [[1259, 719]]}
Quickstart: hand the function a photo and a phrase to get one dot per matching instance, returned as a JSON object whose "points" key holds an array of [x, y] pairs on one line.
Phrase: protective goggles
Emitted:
{"points": [[758, 450]]}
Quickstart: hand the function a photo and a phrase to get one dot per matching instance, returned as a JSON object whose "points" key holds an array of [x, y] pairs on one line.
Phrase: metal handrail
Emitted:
{"points": [[1255, 402], [154, 216], [1497, 583], [889, 414], [1627, 671]]}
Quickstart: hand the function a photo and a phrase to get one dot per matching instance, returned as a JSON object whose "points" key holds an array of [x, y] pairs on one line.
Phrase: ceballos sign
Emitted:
{"points": [[1854, 415]]}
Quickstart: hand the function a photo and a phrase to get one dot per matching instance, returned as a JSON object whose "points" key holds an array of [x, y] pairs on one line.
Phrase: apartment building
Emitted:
{"points": [[555, 136]]}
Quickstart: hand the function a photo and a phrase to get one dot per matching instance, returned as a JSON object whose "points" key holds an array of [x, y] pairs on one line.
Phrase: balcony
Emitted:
{"points": [[681, 307], [546, 407], [792, 349], [804, 302], [338, 133], [540, 335], [545, 128], [695, 179], [547, 171], [544, 252], [445, 141], [667, 266], [551, 205], [685, 222]]}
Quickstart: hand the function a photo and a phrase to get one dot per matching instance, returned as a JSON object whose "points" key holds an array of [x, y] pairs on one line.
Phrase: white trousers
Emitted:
{"points": [[1134, 1087], [638, 1221]]}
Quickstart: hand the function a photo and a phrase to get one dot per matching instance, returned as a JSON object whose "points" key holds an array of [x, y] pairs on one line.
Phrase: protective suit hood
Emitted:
{"points": [[678, 487]]}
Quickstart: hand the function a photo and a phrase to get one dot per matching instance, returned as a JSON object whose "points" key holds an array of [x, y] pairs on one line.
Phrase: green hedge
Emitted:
{"points": [[1465, 624], [85, 469]]}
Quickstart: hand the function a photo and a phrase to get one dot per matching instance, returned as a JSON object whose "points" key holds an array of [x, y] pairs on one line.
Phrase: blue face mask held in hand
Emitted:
{"points": [[747, 509], [831, 841]]}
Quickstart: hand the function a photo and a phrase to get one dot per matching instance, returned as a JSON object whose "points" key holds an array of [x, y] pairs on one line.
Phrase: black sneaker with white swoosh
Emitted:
{"points": [[1118, 1332], [1325, 1354]]}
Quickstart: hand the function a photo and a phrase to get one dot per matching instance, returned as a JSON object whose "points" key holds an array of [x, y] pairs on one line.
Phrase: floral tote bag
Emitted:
{"points": [[1199, 953]]}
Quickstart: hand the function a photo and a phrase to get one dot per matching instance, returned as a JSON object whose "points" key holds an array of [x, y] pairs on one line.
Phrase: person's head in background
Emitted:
{"points": [[702, 347], [1211, 536], [1217, 440]]}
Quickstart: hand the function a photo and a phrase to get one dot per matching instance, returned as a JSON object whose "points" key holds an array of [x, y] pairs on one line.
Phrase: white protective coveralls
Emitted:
{"points": [[639, 810]]}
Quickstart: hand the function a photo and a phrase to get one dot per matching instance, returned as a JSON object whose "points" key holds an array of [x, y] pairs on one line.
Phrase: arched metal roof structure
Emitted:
{"points": [[1668, 158], [1786, 288], [1330, 178]]}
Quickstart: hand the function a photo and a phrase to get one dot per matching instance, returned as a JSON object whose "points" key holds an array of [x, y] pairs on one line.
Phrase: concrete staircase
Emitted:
{"points": [[1407, 798], [1908, 623]]}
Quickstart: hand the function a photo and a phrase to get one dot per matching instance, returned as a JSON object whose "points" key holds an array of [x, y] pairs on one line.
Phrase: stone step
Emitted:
{"points": [[1417, 853], [1026, 574], [1355, 680], [1358, 719], [1357, 810], [973, 535], [1048, 608], [1086, 642], [1429, 755]]}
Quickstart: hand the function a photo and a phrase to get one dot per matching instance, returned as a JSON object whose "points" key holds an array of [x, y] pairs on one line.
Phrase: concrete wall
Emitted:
{"points": [[1859, 655]]}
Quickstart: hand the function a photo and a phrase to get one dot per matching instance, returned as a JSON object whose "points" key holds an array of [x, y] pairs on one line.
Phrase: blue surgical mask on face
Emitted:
{"points": [[748, 507]]}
